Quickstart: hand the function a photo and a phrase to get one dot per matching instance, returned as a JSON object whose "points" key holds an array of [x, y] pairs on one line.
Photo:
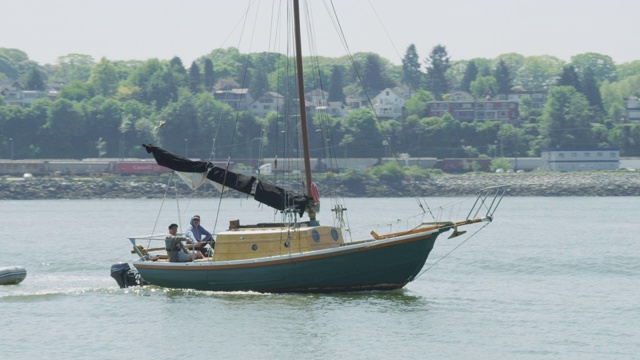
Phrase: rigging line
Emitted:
{"points": [[153, 231], [452, 250], [326, 135], [242, 23], [385, 30], [371, 106]]}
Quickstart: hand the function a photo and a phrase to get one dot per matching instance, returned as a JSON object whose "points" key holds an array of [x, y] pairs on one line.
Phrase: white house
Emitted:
{"points": [[390, 102], [238, 99], [337, 109], [632, 108], [316, 97], [268, 102]]}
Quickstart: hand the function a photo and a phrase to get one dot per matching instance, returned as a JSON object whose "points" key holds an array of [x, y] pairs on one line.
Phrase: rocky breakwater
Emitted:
{"points": [[614, 183], [66, 188]]}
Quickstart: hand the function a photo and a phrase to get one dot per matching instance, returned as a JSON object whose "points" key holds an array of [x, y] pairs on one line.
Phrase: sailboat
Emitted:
{"points": [[296, 255]]}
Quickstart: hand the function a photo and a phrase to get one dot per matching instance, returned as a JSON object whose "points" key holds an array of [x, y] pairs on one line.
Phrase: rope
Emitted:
{"points": [[452, 250], [153, 231]]}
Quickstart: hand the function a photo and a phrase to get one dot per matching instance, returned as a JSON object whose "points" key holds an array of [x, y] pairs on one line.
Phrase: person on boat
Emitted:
{"points": [[199, 235], [175, 249]]}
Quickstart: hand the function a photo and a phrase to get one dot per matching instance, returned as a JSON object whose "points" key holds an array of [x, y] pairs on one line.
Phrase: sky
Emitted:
{"points": [[144, 29]]}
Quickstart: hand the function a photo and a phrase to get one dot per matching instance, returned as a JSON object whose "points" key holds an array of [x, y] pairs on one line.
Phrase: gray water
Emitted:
{"points": [[550, 278]]}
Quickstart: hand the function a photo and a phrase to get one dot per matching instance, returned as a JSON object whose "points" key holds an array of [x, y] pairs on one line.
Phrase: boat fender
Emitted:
{"points": [[315, 193]]}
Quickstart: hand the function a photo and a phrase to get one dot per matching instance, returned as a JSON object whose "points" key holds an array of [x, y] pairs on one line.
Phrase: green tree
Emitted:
{"points": [[362, 126], [539, 73], [180, 132], [437, 65], [503, 77], [484, 87], [72, 67], [14, 62], [7, 67], [178, 72], [418, 104], [77, 91], [65, 131], [602, 66], [161, 88], [565, 119], [626, 70], [336, 92], [34, 80], [104, 117], [591, 89], [569, 77], [209, 76], [470, 74], [373, 75], [195, 78], [411, 74], [104, 78], [259, 83]]}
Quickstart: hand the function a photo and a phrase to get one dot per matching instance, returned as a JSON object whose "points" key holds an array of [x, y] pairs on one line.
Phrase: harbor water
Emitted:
{"points": [[550, 278]]}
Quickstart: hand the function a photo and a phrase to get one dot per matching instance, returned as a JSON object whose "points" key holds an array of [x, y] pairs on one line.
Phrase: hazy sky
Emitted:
{"points": [[143, 29]]}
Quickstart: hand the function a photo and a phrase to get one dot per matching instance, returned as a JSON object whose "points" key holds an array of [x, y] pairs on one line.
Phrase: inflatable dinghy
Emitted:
{"points": [[12, 275]]}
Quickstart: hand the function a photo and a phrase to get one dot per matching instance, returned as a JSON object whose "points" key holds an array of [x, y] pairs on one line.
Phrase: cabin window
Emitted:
{"points": [[254, 247], [334, 234], [316, 235]]}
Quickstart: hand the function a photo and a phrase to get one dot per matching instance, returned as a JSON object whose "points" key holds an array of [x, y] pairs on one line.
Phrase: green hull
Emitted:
{"points": [[379, 265]]}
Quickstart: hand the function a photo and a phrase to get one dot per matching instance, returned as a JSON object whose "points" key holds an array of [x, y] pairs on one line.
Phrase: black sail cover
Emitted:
{"points": [[268, 194]]}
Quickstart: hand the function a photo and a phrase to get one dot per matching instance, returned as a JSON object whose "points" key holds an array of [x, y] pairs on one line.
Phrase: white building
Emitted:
{"points": [[268, 102], [390, 102], [580, 159]]}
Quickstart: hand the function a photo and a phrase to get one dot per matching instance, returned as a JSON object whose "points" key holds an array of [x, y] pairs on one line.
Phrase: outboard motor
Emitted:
{"points": [[125, 276]]}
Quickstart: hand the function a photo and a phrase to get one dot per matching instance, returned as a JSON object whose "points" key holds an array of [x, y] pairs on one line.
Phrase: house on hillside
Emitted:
{"points": [[316, 97], [337, 109], [238, 99], [632, 109], [15, 94], [268, 102], [389, 103], [538, 98], [465, 108]]}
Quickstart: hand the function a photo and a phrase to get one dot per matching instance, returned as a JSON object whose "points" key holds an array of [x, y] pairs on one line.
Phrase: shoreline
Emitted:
{"points": [[614, 183]]}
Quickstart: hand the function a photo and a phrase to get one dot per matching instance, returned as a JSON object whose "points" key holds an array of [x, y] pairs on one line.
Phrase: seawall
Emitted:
{"points": [[614, 183]]}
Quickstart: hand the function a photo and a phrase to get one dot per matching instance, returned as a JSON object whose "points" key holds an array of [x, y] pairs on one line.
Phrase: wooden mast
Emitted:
{"points": [[303, 112]]}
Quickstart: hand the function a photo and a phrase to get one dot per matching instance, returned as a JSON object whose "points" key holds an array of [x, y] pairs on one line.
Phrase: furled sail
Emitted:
{"points": [[268, 194]]}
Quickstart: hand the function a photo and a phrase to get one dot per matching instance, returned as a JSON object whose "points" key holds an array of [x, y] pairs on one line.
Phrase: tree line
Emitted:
{"points": [[108, 108]]}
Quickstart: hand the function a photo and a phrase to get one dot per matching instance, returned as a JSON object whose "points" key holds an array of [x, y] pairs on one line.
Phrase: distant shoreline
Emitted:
{"points": [[614, 183]]}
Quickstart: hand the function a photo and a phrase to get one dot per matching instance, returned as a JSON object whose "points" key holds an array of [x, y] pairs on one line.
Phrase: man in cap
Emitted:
{"points": [[175, 249]]}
